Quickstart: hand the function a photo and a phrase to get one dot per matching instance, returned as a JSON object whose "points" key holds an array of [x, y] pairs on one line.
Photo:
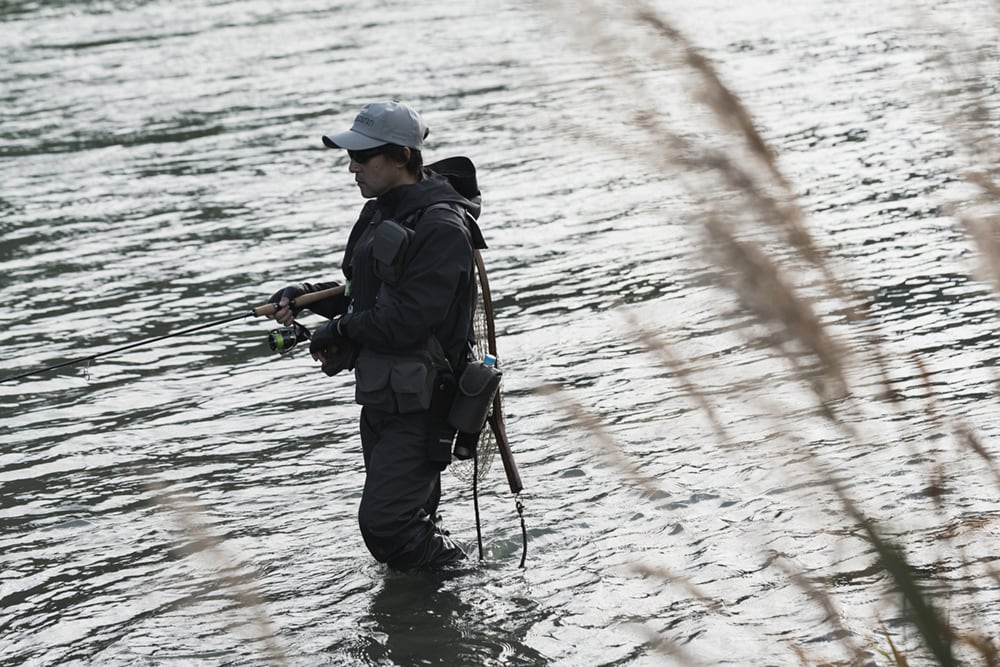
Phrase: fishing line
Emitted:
{"points": [[279, 343], [148, 341]]}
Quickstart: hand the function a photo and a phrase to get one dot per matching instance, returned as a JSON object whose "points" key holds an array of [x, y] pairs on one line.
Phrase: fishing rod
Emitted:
{"points": [[280, 340]]}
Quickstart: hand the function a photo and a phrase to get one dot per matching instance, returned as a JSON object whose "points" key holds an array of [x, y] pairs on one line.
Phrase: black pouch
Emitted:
{"points": [[440, 434], [466, 445], [476, 387], [389, 250]]}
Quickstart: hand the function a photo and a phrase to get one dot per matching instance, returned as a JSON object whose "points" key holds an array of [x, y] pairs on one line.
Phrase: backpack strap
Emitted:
{"points": [[476, 234], [370, 215]]}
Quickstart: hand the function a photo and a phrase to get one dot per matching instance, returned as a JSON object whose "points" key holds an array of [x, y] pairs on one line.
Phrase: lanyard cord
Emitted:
{"points": [[479, 530], [524, 529], [475, 501]]}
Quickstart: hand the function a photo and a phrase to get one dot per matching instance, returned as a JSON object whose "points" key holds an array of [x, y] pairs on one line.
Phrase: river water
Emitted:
{"points": [[192, 501]]}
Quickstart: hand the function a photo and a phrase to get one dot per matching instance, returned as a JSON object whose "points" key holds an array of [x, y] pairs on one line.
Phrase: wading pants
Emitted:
{"points": [[401, 494]]}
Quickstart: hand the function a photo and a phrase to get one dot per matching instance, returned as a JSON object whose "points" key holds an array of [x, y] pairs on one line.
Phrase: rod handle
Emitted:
{"points": [[269, 309]]}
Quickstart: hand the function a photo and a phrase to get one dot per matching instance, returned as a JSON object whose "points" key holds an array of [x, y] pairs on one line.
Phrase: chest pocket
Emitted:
{"points": [[389, 247]]}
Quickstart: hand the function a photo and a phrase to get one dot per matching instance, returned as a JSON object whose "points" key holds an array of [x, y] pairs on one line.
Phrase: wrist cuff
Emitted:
{"points": [[341, 328]]}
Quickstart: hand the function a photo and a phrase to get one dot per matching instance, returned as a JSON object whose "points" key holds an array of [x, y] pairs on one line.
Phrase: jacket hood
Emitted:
{"points": [[451, 181]]}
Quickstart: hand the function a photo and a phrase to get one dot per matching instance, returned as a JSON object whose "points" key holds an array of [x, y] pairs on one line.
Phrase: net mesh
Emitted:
{"points": [[487, 447]]}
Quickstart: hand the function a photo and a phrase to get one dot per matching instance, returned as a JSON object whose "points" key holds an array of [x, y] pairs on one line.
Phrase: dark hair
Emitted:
{"points": [[414, 165]]}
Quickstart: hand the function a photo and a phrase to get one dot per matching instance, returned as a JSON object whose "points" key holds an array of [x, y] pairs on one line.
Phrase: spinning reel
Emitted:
{"points": [[284, 339]]}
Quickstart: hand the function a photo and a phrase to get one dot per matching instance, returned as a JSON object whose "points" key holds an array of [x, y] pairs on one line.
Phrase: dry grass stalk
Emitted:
{"points": [[589, 423], [668, 150], [728, 108], [763, 289], [681, 373], [761, 284], [985, 647], [985, 232], [825, 601], [899, 658], [753, 271], [934, 629], [688, 585], [973, 123], [971, 438], [656, 641], [240, 585], [808, 660]]}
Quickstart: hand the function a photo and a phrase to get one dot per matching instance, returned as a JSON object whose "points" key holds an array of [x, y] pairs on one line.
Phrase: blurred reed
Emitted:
{"points": [[229, 576], [783, 284]]}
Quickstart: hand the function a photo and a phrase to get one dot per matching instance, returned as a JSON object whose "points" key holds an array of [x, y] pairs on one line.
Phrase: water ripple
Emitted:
{"points": [[194, 499]]}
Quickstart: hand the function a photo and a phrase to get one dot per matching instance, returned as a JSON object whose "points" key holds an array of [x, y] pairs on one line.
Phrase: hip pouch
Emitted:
{"points": [[476, 387]]}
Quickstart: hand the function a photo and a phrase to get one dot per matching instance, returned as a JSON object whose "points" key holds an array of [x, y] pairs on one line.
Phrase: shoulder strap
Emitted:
{"points": [[478, 242], [370, 214]]}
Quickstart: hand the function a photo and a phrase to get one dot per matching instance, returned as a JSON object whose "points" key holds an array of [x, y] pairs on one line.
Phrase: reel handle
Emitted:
{"points": [[269, 309]]}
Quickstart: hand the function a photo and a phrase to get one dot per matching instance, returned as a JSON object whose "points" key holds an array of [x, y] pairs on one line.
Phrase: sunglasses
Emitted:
{"points": [[363, 156]]}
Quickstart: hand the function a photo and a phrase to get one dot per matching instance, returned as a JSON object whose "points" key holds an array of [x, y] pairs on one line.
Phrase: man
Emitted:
{"points": [[405, 326]]}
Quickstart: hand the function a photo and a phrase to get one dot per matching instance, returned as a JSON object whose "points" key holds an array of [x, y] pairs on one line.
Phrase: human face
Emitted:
{"points": [[374, 173]]}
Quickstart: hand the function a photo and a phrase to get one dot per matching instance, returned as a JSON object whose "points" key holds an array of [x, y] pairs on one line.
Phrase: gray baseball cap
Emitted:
{"points": [[381, 123]]}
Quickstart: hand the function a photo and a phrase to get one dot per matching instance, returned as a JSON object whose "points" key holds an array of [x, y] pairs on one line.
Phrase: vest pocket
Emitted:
{"points": [[389, 250], [371, 382], [392, 383], [412, 384]]}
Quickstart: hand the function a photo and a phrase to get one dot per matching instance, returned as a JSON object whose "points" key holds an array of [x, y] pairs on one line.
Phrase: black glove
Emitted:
{"points": [[338, 351], [292, 292]]}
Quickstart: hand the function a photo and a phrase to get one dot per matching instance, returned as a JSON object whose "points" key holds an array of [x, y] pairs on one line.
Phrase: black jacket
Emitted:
{"points": [[434, 291]]}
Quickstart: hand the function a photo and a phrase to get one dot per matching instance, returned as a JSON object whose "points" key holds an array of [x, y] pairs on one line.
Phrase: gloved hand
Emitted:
{"points": [[336, 352], [283, 297]]}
